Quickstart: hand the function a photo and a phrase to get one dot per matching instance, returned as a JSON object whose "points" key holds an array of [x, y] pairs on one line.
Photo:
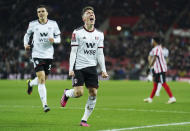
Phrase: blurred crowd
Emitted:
{"points": [[126, 51]]}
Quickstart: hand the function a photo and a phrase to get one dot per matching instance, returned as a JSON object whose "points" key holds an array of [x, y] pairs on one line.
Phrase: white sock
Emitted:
{"points": [[34, 82], [70, 93], [42, 93], [158, 88], [89, 107]]}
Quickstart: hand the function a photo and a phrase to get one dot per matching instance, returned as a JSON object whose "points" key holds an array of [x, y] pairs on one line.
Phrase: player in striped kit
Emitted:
{"points": [[150, 75], [159, 65], [45, 32], [86, 52]]}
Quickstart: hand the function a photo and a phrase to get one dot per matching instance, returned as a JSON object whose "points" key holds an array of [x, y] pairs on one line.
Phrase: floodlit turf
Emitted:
{"points": [[119, 105]]}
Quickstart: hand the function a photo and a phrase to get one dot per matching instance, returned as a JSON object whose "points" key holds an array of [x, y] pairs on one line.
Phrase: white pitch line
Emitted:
{"points": [[131, 109], [113, 109], [150, 126]]}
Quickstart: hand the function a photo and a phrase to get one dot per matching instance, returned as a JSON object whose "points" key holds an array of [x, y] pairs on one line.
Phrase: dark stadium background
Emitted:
{"points": [[126, 50]]}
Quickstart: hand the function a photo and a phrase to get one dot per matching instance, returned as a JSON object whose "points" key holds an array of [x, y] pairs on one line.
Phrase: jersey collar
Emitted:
{"points": [[41, 23], [88, 30]]}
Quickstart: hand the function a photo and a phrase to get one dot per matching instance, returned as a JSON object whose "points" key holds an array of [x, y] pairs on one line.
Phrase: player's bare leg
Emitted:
{"points": [[90, 105], [42, 89], [73, 93]]}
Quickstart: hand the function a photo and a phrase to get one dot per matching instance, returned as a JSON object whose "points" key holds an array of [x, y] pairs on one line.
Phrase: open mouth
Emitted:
{"points": [[91, 19]]}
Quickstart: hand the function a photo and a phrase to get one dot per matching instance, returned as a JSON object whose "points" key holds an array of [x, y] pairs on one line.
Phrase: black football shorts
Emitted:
{"points": [[87, 75], [42, 65]]}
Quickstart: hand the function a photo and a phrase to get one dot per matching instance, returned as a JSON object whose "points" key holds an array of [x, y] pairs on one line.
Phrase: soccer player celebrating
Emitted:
{"points": [[160, 68], [87, 50], [45, 33]]}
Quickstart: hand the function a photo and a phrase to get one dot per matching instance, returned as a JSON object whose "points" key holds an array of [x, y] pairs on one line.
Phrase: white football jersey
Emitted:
{"points": [[165, 52], [42, 48], [88, 44]]}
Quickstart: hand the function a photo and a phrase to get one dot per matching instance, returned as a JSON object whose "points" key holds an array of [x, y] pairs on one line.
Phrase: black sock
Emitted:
{"points": [[84, 121]]}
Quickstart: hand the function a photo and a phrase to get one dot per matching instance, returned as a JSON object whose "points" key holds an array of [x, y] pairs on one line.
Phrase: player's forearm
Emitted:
{"points": [[101, 59], [57, 39], [72, 57], [26, 39], [149, 59], [153, 61]]}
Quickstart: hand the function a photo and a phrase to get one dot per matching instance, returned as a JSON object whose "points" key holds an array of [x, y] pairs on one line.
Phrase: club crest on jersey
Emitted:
{"points": [[73, 39], [84, 37]]}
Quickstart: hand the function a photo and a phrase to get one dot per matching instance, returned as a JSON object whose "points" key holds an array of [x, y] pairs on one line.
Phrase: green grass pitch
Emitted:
{"points": [[119, 105]]}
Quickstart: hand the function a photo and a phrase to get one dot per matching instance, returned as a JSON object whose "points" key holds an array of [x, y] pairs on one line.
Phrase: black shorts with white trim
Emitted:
{"points": [[42, 65], [87, 75], [159, 77]]}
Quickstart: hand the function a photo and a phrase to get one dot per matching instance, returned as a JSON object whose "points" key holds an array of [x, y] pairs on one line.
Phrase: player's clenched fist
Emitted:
{"points": [[71, 73], [104, 74], [27, 47]]}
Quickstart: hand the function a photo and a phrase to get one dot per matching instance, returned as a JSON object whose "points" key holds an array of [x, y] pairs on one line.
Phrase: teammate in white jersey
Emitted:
{"points": [[150, 75], [86, 52], [159, 65], [45, 32]]}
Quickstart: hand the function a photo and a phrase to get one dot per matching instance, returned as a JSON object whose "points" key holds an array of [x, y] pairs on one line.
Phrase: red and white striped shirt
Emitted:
{"points": [[160, 63]]}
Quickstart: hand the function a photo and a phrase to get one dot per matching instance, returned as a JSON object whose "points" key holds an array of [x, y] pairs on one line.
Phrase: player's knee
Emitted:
{"points": [[78, 93], [41, 77], [41, 80], [93, 91]]}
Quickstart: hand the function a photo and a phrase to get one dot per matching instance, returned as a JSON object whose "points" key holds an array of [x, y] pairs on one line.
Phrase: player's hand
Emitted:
{"points": [[71, 73], [27, 47], [51, 40], [147, 71], [104, 74]]}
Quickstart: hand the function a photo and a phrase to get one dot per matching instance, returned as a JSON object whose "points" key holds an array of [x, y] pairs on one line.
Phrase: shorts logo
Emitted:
{"points": [[75, 81], [37, 62]]}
